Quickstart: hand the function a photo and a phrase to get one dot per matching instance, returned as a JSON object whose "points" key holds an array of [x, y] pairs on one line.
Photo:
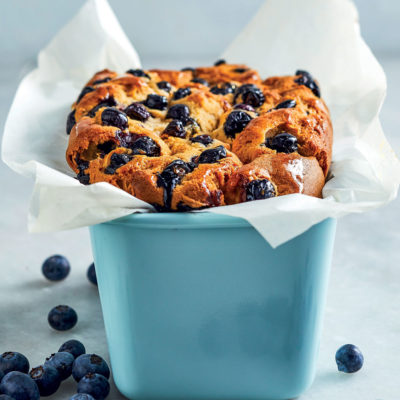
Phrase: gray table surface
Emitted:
{"points": [[363, 303]]}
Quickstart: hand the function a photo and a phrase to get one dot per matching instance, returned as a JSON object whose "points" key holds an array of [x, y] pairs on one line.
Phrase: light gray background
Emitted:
{"points": [[364, 297]]}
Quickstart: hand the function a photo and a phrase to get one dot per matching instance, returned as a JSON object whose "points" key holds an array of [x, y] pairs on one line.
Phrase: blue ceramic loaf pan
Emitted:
{"points": [[200, 306]]}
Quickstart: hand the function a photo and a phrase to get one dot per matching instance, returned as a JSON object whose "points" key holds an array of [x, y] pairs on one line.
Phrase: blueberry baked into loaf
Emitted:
{"points": [[201, 137]]}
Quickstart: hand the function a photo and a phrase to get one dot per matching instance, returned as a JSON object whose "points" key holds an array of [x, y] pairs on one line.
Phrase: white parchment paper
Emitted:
{"points": [[320, 36]]}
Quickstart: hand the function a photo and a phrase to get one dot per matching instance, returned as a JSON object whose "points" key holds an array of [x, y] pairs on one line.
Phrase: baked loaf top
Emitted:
{"points": [[201, 137]]}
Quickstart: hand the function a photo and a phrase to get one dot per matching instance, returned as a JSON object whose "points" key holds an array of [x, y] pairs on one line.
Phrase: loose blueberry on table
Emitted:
{"points": [[62, 318], [19, 386], [56, 268], [91, 274], [95, 385], [349, 358], [89, 363], [13, 361], [62, 362], [47, 379], [75, 347]]}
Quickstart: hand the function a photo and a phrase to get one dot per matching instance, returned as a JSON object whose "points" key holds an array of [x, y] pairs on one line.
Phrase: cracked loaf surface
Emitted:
{"points": [[201, 137]]}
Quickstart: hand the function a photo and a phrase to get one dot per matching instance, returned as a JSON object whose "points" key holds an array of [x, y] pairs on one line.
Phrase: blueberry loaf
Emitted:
{"points": [[201, 137]]}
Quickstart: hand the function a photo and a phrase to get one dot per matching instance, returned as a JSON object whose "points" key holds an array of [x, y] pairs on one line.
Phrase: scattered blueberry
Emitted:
{"points": [[62, 318], [75, 347], [172, 176], [145, 146], [245, 107], [107, 102], [175, 128], [81, 396], [116, 161], [236, 122], [70, 122], [46, 378], [179, 111], [349, 358], [99, 81], [240, 70], [219, 62], [200, 80], [83, 178], [188, 69], [89, 363], [307, 80], [56, 268], [113, 117], [62, 362], [137, 111], [85, 91], [95, 385], [164, 85], [181, 93], [211, 156], [156, 102], [250, 94], [19, 386], [203, 139], [138, 72], [13, 361], [223, 88], [259, 189], [91, 274], [286, 104], [283, 143]]}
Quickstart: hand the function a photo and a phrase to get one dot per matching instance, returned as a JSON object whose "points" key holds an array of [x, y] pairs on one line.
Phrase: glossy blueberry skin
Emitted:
{"points": [[138, 72], [244, 107], [223, 88], [250, 94], [116, 161], [46, 378], [200, 80], [145, 146], [62, 318], [349, 358], [203, 139], [219, 62], [211, 156], [5, 397], [181, 93], [156, 102], [85, 91], [75, 347], [13, 361], [113, 117], [83, 178], [89, 363], [237, 120], [19, 386], [56, 268], [137, 111], [259, 189], [179, 111], [164, 85], [307, 80], [283, 143], [81, 396], [91, 274], [107, 102], [95, 385], [70, 122], [175, 128], [62, 362], [286, 104]]}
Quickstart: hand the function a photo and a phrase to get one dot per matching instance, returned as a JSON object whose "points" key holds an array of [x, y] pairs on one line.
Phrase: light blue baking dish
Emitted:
{"points": [[200, 306]]}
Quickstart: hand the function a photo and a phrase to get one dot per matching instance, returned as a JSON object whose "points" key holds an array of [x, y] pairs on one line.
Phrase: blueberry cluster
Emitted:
{"points": [[89, 370]]}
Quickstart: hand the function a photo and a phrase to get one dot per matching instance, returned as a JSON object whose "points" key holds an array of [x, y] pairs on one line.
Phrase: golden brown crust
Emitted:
{"points": [[188, 144]]}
